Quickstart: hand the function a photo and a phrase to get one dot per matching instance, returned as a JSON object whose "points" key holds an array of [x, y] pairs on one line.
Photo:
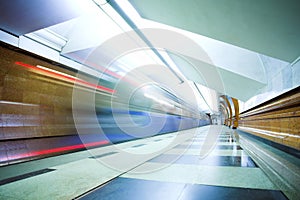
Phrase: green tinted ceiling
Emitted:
{"points": [[269, 27]]}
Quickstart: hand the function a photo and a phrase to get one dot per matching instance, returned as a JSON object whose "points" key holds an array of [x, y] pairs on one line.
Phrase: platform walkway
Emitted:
{"points": [[202, 163]]}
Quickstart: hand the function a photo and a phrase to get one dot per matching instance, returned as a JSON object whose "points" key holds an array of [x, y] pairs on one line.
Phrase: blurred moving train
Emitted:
{"points": [[49, 109]]}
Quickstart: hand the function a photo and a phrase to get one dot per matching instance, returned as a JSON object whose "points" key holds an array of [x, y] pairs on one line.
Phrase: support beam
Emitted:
{"points": [[236, 111], [229, 108], [226, 113]]}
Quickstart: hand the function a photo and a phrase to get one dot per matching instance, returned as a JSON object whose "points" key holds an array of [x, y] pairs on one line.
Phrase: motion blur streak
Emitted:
{"points": [[59, 149], [64, 77]]}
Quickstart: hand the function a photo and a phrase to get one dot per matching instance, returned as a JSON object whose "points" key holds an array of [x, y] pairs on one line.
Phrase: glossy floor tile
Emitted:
{"points": [[136, 189], [242, 177], [203, 163], [24, 176], [222, 147], [237, 161]]}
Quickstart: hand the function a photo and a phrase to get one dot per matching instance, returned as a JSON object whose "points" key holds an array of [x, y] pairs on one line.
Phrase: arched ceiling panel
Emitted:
{"points": [[268, 27], [22, 16]]}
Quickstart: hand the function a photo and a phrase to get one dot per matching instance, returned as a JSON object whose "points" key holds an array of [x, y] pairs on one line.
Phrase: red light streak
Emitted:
{"points": [[58, 150], [66, 77]]}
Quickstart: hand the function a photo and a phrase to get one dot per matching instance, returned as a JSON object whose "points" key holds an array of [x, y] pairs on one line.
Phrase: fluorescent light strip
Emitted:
{"points": [[17, 103]]}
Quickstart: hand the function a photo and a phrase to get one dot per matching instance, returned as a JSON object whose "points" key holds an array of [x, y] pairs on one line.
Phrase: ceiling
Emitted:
{"points": [[216, 45], [22, 16], [267, 27]]}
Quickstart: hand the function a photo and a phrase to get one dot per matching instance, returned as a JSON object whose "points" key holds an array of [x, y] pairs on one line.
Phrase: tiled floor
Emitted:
{"points": [[136, 189], [202, 163]]}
